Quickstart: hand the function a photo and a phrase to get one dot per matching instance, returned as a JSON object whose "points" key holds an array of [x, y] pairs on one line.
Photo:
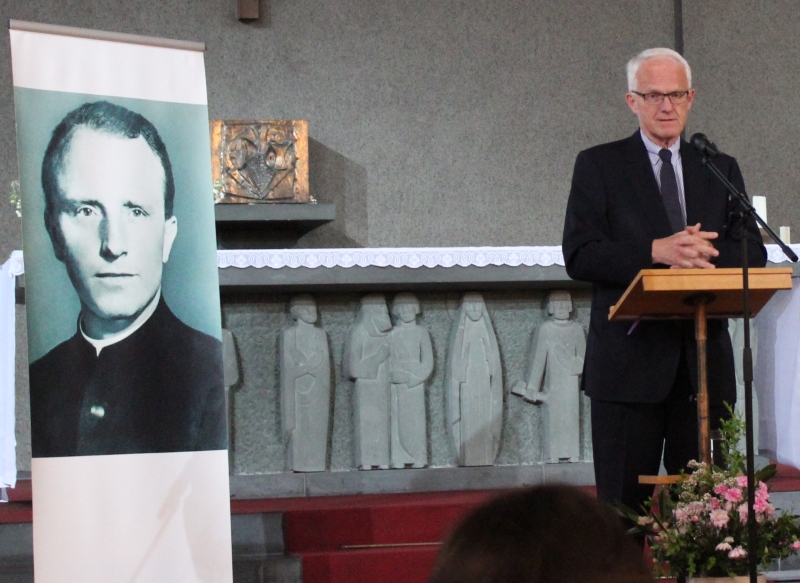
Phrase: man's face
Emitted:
{"points": [[662, 123], [116, 238]]}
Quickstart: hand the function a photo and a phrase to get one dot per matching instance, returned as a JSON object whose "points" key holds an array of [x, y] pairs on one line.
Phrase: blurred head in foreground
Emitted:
{"points": [[541, 535]]}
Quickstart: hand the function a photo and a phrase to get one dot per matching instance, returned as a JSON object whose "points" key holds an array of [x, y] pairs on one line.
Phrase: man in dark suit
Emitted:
{"points": [[647, 202], [134, 378]]}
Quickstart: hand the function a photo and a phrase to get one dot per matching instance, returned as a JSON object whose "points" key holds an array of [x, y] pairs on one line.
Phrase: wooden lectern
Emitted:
{"points": [[660, 294]]}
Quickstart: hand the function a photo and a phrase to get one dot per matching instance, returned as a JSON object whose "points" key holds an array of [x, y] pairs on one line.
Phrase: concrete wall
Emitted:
{"points": [[746, 57], [443, 123]]}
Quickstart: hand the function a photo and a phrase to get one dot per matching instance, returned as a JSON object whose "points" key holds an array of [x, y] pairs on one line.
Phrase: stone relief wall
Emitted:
{"points": [[257, 322]]}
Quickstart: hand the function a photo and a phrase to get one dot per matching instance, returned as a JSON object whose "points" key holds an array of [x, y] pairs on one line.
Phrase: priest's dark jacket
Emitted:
{"points": [[613, 215], [158, 390]]}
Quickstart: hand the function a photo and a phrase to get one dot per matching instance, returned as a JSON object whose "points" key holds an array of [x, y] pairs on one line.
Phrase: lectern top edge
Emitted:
{"points": [[668, 288]]}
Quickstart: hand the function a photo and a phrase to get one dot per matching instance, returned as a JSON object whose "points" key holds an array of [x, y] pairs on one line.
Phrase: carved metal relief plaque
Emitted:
{"points": [[255, 161]]}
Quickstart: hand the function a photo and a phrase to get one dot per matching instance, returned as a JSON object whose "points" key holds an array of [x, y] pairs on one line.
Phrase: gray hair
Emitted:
{"points": [[633, 65]]}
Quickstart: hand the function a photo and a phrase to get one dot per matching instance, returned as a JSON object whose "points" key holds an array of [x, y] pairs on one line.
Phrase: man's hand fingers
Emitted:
{"points": [[692, 229], [707, 234]]}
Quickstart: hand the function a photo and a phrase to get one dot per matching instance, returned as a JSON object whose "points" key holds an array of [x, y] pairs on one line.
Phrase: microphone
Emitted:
{"points": [[703, 145]]}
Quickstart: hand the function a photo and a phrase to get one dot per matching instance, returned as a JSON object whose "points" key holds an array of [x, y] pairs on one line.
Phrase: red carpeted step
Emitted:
{"points": [[384, 565], [16, 513], [21, 492], [367, 520], [786, 480]]}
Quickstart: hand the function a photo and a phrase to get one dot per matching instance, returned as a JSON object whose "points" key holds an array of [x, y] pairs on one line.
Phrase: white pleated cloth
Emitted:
{"points": [[777, 376], [8, 442]]}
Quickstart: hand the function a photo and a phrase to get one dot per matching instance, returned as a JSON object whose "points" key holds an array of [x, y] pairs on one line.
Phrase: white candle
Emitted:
{"points": [[760, 204], [786, 235]]}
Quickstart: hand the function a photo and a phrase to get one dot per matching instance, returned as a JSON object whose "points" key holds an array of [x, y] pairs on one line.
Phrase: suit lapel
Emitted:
{"points": [[695, 178], [646, 194]]}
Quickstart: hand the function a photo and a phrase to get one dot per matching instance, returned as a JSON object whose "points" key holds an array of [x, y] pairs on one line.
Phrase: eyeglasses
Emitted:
{"points": [[676, 97]]}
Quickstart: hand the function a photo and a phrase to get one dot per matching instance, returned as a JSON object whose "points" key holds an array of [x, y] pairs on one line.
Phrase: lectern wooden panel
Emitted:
{"points": [[658, 294]]}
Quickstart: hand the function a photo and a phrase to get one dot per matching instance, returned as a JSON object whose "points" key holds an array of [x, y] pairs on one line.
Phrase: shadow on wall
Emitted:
{"points": [[334, 178]]}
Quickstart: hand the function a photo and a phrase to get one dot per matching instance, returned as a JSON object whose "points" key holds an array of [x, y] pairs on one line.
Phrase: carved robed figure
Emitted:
{"points": [[305, 388], [366, 363], [474, 384], [410, 365], [553, 379]]}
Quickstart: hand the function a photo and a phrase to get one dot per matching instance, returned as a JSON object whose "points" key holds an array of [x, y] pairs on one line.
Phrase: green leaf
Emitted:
{"points": [[766, 473]]}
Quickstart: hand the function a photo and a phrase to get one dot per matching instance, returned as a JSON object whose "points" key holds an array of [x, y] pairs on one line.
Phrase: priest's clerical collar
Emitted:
{"points": [[119, 336]]}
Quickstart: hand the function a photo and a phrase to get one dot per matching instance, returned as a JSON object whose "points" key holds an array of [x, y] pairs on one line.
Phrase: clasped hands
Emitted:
{"points": [[691, 248]]}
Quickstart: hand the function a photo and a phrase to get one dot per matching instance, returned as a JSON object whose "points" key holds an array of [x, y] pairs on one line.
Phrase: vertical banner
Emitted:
{"points": [[130, 470]]}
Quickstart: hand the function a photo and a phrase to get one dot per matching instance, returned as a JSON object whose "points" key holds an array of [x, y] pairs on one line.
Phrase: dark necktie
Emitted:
{"points": [[669, 192]]}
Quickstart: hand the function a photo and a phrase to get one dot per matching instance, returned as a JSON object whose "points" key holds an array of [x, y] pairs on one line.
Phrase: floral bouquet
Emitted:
{"points": [[697, 527]]}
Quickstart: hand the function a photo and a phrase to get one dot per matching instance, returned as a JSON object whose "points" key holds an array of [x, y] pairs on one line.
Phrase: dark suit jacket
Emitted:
{"points": [[613, 215], [158, 390]]}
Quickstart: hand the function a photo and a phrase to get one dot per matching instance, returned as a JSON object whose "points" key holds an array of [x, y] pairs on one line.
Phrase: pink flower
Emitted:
{"points": [[760, 505], [737, 553], [762, 494], [680, 515], [714, 503], [743, 513], [723, 547], [741, 481], [695, 518], [721, 489], [719, 518], [796, 545], [734, 495]]}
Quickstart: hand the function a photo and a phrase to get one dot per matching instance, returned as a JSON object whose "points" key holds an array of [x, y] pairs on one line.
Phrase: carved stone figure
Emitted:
{"points": [[366, 362], [230, 362], [230, 375], [553, 378], [736, 330], [410, 365], [474, 384], [305, 388]]}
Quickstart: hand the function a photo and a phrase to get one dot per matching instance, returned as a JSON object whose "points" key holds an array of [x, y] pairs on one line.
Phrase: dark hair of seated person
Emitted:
{"points": [[548, 534]]}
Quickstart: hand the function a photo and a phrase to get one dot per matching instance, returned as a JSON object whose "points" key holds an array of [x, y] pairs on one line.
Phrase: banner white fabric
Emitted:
{"points": [[130, 463], [8, 442], [47, 62], [169, 524]]}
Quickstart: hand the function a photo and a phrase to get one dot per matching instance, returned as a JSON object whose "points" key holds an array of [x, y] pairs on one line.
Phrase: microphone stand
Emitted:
{"points": [[747, 360]]}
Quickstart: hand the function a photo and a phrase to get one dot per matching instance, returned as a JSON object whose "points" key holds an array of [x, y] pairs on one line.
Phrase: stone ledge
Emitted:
{"points": [[317, 213], [402, 481]]}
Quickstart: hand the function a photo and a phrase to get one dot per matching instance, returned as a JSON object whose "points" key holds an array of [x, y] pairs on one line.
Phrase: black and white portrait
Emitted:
{"points": [[133, 378]]}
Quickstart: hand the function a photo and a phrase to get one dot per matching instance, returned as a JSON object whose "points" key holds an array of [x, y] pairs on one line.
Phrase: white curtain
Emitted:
{"points": [[777, 376], [8, 442]]}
